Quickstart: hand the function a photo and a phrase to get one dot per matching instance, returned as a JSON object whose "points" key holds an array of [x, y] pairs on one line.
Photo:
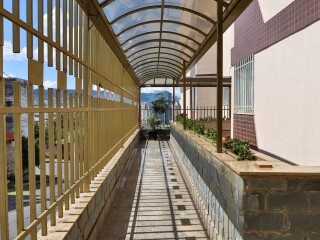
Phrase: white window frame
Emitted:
{"points": [[244, 86]]}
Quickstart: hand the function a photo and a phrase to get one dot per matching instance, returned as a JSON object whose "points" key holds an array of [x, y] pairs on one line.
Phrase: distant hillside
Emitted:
{"points": [[36, 93]]}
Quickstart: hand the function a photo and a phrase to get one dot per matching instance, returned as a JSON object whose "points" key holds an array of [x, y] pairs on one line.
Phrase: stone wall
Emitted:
{"points": [[79, 221], [243, 202]]}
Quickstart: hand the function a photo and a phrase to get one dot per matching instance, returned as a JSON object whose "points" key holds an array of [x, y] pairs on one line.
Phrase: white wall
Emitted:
{"points": [[287, 97]]}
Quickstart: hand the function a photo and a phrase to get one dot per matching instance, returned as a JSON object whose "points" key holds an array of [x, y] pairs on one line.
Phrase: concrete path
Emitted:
{"points": [[152, 201]]}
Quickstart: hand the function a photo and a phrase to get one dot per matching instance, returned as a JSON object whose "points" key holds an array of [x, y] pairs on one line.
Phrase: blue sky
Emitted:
{"points": [[16, 64]]}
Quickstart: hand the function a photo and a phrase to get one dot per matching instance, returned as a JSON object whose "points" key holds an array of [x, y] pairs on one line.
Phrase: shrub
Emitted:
{"points": [[198, 127], [240, 148], [212, 134], [153, 121]]}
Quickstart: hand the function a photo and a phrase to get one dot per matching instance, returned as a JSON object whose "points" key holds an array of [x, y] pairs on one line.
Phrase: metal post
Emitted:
{"points": [[230, 102], [173, 101], [184, 97], [191, 109], [139, 107], [219, 74]]}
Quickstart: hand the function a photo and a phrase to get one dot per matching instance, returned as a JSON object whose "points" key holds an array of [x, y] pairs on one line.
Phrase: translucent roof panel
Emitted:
{"points": [[142, 38], [188, 18], [135, 18], [119, 7], [184, 30], [157, 36], [206, 7], [144, 28], [141, 47]]}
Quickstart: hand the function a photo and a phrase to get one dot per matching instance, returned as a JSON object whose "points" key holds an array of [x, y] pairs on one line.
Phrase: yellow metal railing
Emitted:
{"points": [[88, 129]]}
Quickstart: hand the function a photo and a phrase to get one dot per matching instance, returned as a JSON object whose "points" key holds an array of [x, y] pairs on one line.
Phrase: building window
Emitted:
{"points": [[243, 86]]}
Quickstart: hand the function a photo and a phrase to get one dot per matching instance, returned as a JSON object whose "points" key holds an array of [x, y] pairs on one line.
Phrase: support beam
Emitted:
{"points": [[219, 74], [230, 102], [173, 101], [139, 107], [184, 97], [191, 100]]}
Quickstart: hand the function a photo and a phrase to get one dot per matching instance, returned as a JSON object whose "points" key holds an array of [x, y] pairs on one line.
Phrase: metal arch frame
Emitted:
{"points": [[163, 21], [155, 71], [147, 78], [155, 67], [155, 75], [160, 40], [159, 7], [162, 64], [167, 32], [107, 2], [134, 68], [173, 55], [158, 48], [134, 65]]}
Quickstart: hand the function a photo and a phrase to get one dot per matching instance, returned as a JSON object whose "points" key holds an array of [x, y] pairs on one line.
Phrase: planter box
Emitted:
{"points": [[243, 201]]}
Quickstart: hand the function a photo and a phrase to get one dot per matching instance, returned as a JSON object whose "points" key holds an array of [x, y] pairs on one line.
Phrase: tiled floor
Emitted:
{"points": [[152, 201]]}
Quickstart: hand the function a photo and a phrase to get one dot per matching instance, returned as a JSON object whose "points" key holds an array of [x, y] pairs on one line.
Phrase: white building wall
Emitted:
{"points": [[208, 65], [287, 97]]}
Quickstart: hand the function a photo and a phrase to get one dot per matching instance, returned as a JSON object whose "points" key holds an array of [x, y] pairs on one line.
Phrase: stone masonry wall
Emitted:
{"points": [[79, 221], [282, 208], [253, 205], [219, 188]]}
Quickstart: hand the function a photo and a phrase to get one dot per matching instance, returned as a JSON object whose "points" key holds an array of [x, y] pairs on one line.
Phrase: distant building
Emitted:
{"points": [[9, 102]]}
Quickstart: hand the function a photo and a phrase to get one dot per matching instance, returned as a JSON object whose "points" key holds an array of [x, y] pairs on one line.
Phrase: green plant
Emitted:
{"points": [[25, 152], [153, 122], [212, 134], [160, 105], [198, 127], [240, 148], [179, 118]]}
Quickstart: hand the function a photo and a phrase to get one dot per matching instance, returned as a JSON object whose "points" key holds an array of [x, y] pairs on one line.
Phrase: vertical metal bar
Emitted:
{"points": [[77, 142], [42, 155], [58, 63], [59, 150], [18, 158], [71, 36], [29, 35], [81, 45], [50, 50], [31, 158], [71, 123], [139, 107], [16, 28], [184, 97], [81, 141], [66, 148], [51, 156], [86, 54], [230, 102], [173, 100], [76, 37], [191, 117], [219, 74], [65, 36], [40, 29], [4, 224]]}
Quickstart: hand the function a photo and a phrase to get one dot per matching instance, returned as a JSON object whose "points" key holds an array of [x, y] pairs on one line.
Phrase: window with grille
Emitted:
{"points": [[244, 86]]}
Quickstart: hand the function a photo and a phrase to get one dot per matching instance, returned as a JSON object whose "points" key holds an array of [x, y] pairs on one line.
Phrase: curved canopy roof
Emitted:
{"points": [[157, 36]]}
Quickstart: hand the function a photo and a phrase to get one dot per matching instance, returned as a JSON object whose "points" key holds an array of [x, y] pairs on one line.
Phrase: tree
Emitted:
{"points": [[160, 105]]}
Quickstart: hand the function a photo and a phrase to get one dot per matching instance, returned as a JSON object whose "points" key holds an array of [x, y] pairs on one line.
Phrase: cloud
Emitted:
{"points": [[50, 84], [8, 55]]}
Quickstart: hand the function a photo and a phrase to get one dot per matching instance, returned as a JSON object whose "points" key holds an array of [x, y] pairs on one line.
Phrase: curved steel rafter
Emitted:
{"points": [[160, 66], [166, 7], [157, 75], [134, 65], [171, 49], [154, 70], [162, 40], [156, 53], [167, 32], [164, 21], [158, 61]]}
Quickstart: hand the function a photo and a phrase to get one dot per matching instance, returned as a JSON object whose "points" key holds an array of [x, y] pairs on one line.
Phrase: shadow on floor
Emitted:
{"points": [[152, 201]]}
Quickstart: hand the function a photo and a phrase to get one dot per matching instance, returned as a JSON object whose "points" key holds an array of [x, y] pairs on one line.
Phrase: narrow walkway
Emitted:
{"points": [[152, 201]]}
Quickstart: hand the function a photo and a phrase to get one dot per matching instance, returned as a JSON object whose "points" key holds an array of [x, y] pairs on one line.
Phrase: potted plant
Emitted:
{"points": [[153, 122]]}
